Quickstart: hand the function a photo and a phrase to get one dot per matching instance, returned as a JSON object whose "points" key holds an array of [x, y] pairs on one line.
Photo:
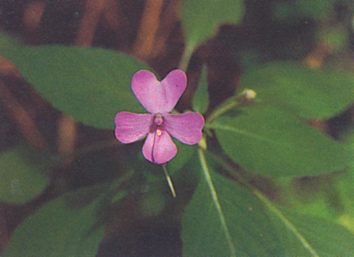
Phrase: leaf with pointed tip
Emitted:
{"points": [[306, 92], [185, 153], [344, 182], [272, 142], [21, 179], [58, 230], [306, 235], [90, 84], [201, 98], [240, 227], [200, 19]]}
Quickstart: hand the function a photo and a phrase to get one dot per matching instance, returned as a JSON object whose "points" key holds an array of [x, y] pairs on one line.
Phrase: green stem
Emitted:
{"points": [[228, 105], [206, 173], [234, 174], [187, 54]]}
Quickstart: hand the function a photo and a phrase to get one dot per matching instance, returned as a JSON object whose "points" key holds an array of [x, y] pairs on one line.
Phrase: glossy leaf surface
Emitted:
{"points": [[203, 232], [271, 142], [184, 154], [90, 84], [306, 92], [20, 179], [200, 19], [201, 98], [305, 235], [58, 229]]}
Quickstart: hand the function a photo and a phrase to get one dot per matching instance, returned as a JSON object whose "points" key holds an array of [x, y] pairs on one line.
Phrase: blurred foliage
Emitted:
{"points": [[237, 230], [306, 92], [268, 178], [200, 20], [274, 143], [57, 229], [79, 81], [297, 9], [201, 99], [22, 176]]}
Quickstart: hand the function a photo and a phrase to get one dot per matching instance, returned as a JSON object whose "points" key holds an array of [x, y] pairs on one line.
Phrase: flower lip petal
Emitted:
{"points": [[155, 96], [159, 147], [131, 127], [186, 127]]}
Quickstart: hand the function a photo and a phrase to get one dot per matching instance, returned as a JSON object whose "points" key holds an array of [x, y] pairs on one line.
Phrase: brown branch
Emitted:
{"points": [[4, 235], [89, 22], [67, 131], [20, 116], [148, 28], [316, 57], [168, 20], [33, 15]]}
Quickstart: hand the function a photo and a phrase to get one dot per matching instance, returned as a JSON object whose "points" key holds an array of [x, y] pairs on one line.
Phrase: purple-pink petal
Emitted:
{"points": [[155, 96], [131, 127], [186, 127], [159, 147]]}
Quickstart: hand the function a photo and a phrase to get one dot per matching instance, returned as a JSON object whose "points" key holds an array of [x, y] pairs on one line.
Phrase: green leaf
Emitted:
{"points": [[271, 142], [184, 154], [305, 235], [306, 92], [317, 10], [300, 9], [201, 19], [201, 98], [314, 196], [90, 84], [7, 41], [335, 38], [21, 179], [224, 219], [119, 196], [344, 182], [58, 230]]}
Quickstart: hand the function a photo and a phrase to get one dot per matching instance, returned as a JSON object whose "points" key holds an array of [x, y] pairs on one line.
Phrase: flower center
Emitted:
{"points": [[158, 119]]}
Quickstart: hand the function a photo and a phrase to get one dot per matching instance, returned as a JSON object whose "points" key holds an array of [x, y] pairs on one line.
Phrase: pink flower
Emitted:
{"points": [[159, 98]]}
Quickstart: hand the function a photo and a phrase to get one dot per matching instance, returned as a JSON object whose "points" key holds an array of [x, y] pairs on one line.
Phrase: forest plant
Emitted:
{"points": [[260, 135]]}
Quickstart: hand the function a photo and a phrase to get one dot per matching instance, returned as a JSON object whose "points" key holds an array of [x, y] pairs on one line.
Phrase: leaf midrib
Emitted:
{"points": [[255, 136]]}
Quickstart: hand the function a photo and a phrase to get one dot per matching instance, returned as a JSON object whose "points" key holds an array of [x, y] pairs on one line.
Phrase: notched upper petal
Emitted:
{"points": [[174, 84], [155, 96]]}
